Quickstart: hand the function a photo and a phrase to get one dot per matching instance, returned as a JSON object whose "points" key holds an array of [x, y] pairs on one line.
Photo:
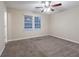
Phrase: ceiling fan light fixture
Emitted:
{"points": [[45, 10], [48, 10], [47, 3]]}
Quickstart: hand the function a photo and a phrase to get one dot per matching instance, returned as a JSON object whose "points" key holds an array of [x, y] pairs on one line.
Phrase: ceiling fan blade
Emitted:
{"points": [[52, 9], [38, 7], [55, 5]]}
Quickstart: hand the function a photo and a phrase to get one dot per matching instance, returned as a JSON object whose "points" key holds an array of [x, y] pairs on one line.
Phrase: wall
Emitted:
{"points": [[66, 25], [2, 27], [16, 25], [63, 25]]}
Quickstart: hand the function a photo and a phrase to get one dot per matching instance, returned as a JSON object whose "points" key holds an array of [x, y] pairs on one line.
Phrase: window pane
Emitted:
{"points": [[27, 22], [37, 22]]}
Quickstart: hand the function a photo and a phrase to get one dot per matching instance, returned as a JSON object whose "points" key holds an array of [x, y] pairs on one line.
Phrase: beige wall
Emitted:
{"points": [[66, 25], [16, 25], [63, 25], [2, 27]]}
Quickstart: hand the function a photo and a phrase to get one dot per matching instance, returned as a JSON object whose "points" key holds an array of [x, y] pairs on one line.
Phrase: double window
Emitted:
{"points": [[29, 24]]}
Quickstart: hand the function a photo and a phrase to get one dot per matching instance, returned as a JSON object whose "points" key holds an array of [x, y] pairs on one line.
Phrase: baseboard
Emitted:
{"points": [[2, 50], [66, 39], [44, 35], [26, 38]]}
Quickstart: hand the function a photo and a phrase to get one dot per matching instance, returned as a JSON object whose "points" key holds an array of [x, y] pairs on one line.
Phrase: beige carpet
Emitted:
{"points": [[47, 46]]}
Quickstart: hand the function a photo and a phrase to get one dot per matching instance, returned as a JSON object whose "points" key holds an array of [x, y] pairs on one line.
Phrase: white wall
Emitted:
{"points": [[66, 25], [16, 25], [2, 27]]}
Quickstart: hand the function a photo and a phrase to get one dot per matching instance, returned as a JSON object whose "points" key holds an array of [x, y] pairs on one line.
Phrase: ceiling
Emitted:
{"points": [[30, 5]]}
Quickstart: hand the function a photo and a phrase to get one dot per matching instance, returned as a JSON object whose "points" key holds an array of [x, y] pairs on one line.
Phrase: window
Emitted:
{"points": [[37, 22], [28, 22]]}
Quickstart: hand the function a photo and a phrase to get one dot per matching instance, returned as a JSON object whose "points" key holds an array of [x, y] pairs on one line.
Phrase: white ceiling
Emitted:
{"points": [[30, 5]]}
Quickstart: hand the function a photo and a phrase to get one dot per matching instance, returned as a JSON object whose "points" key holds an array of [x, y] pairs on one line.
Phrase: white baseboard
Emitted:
{"points": [[45, 35], [66, 39], [26, 38], [2, 50]]}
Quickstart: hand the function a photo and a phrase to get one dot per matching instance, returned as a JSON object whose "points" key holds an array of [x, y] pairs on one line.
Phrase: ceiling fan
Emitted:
{"points": [[48, 5]]}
